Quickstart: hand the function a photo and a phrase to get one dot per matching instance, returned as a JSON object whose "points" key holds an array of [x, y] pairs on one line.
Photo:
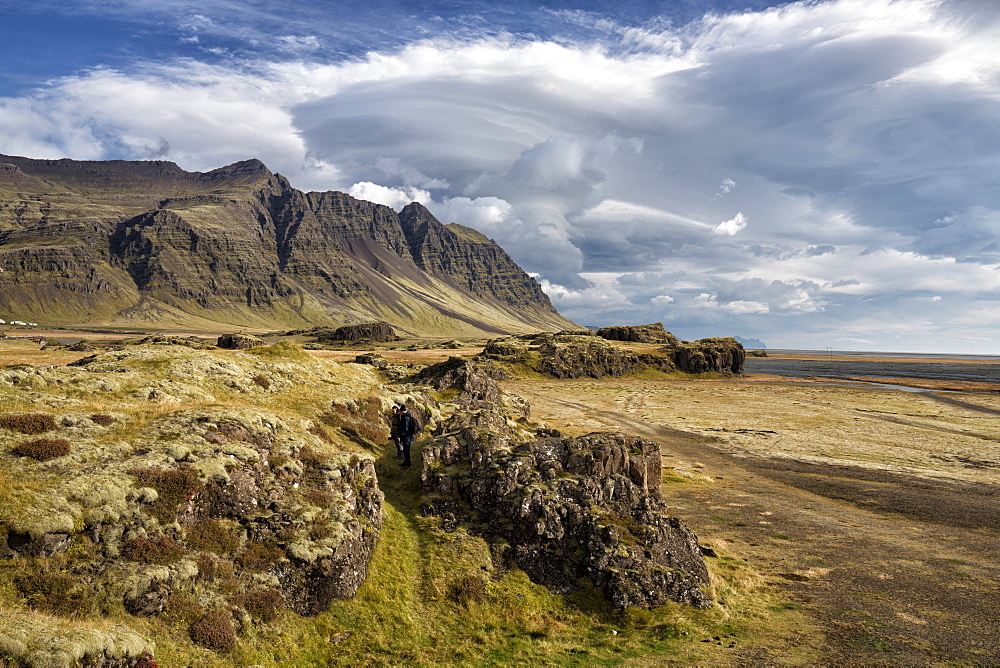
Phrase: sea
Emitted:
{"points": [[980, 368]]}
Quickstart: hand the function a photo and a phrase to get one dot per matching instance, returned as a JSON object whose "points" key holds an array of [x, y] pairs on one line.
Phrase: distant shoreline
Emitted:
{"points": [[871, 356]]}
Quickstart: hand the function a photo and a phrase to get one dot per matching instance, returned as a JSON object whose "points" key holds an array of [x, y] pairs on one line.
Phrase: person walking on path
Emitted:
{"points": [[407, 429], [394, 431]]}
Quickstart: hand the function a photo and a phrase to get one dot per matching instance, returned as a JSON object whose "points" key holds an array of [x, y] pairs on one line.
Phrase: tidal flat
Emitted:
{"points": [[876, 511]]}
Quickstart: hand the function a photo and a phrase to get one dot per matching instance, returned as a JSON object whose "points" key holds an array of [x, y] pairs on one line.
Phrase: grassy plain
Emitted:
{"points": [[852, 526], [876, 512]]}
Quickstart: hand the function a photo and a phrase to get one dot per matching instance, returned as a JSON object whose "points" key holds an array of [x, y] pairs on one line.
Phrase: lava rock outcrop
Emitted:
{"points": [[653, 333], [561, 508]]}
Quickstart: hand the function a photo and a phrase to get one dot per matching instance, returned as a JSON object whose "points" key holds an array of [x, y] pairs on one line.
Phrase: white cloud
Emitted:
{"points": [[486, 214], [395, 198], [298, 43], [836, 127], [732, 226], [727, 186]]}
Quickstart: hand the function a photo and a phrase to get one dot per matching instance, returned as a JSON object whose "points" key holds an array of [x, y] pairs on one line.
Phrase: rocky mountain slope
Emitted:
{"points": [[147, 243]]}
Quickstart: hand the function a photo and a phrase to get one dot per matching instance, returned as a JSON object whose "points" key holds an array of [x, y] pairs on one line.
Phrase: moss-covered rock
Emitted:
{"points": [[723, 355], [181, 505], [562, 508], [653, 333]]}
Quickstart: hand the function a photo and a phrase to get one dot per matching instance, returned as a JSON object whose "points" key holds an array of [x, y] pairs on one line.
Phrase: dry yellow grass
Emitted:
{"points": [[878, 428], [858, 504]]}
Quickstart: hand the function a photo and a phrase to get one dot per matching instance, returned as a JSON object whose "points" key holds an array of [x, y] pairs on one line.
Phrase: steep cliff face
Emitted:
{"points": [[468, 258], [118, 242]]}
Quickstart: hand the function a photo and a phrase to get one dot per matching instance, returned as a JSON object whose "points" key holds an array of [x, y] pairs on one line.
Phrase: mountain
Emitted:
{"points": [[145, 243], [751, 344]]}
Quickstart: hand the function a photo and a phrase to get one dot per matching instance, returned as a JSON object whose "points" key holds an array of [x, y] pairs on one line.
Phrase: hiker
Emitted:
{"points": [[394, 431], [407, 428]]}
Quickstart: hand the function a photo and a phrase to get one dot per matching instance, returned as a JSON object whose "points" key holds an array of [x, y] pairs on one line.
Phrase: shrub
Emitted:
{"points": [[258, 557], [262, 604], [470, 589], [213, 536], [215, 631], [58, 593], [319, 432], [309, 457], [318, 498], [159, 550], [29, 423], [102, 419], [182, 609], [174, 487], [43, 448]]}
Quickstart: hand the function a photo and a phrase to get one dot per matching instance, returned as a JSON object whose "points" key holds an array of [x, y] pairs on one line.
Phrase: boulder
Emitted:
{"points": [[372, 359], [723, 355], [239, 341], [653, 333], [369, 331], [566, 508], [559, 508]]}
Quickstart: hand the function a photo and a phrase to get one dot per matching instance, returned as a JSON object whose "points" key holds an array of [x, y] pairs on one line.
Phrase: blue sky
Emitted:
{"points": [[811, 174]]}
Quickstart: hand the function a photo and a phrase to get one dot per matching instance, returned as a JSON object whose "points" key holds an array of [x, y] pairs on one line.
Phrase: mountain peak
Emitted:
{"points": [[120, 242]]}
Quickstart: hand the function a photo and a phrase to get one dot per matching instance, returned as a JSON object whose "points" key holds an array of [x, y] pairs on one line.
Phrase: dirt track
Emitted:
{"points": [[896, 569]]}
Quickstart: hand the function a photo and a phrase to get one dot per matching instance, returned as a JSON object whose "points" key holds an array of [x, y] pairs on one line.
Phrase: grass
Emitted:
{"points": [[412, 610], [431, 597]]}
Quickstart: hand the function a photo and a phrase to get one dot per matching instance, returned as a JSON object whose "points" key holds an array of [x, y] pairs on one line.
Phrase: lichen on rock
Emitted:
{"points": [[561, 508], [197, 500]]}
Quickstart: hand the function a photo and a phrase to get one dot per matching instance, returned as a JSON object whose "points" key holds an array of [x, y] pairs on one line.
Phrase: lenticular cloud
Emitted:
{"points": [[838, 129]]}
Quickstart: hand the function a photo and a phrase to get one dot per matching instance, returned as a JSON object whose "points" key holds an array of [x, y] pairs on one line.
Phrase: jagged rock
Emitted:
{"points": [[581, 357], [25, 545], [560, 508], [509, 349], [653, 333], [475, 380], [189, 341], [572, 356], [372, 359], [239, 341], [369, 331], [720, 355], [566, 508]]}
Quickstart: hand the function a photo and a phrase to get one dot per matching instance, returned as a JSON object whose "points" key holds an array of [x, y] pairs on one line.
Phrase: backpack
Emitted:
{"points": [[410, 425]]}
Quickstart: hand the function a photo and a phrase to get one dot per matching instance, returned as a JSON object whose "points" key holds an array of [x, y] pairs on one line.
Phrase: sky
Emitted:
{"points": [[811, 174]]}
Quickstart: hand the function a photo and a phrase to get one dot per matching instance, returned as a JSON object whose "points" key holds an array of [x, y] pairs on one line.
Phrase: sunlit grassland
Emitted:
{"points": [[431, 597], [412, 610], [878, 428]]}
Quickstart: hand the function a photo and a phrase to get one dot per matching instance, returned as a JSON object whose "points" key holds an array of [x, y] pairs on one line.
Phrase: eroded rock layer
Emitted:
{"points": [[575, 356], [120, 242]]}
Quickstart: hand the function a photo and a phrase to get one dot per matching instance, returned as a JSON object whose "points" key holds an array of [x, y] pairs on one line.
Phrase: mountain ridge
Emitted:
{"points": [[122, 242]]}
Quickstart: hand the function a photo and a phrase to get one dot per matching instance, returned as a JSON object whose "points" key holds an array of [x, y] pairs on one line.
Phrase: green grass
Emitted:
{"points": [[408, 612], [431, 597]]}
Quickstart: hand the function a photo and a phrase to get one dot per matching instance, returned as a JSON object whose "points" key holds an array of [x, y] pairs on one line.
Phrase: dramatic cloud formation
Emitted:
{"points": [[809, 174]]}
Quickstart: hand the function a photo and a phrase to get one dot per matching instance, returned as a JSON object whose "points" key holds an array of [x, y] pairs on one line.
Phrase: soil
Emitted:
{"points": [[895, 565]]}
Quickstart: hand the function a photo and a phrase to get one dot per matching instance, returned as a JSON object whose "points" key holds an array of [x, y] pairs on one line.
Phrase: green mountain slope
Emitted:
{"points": [[149, 244]]}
